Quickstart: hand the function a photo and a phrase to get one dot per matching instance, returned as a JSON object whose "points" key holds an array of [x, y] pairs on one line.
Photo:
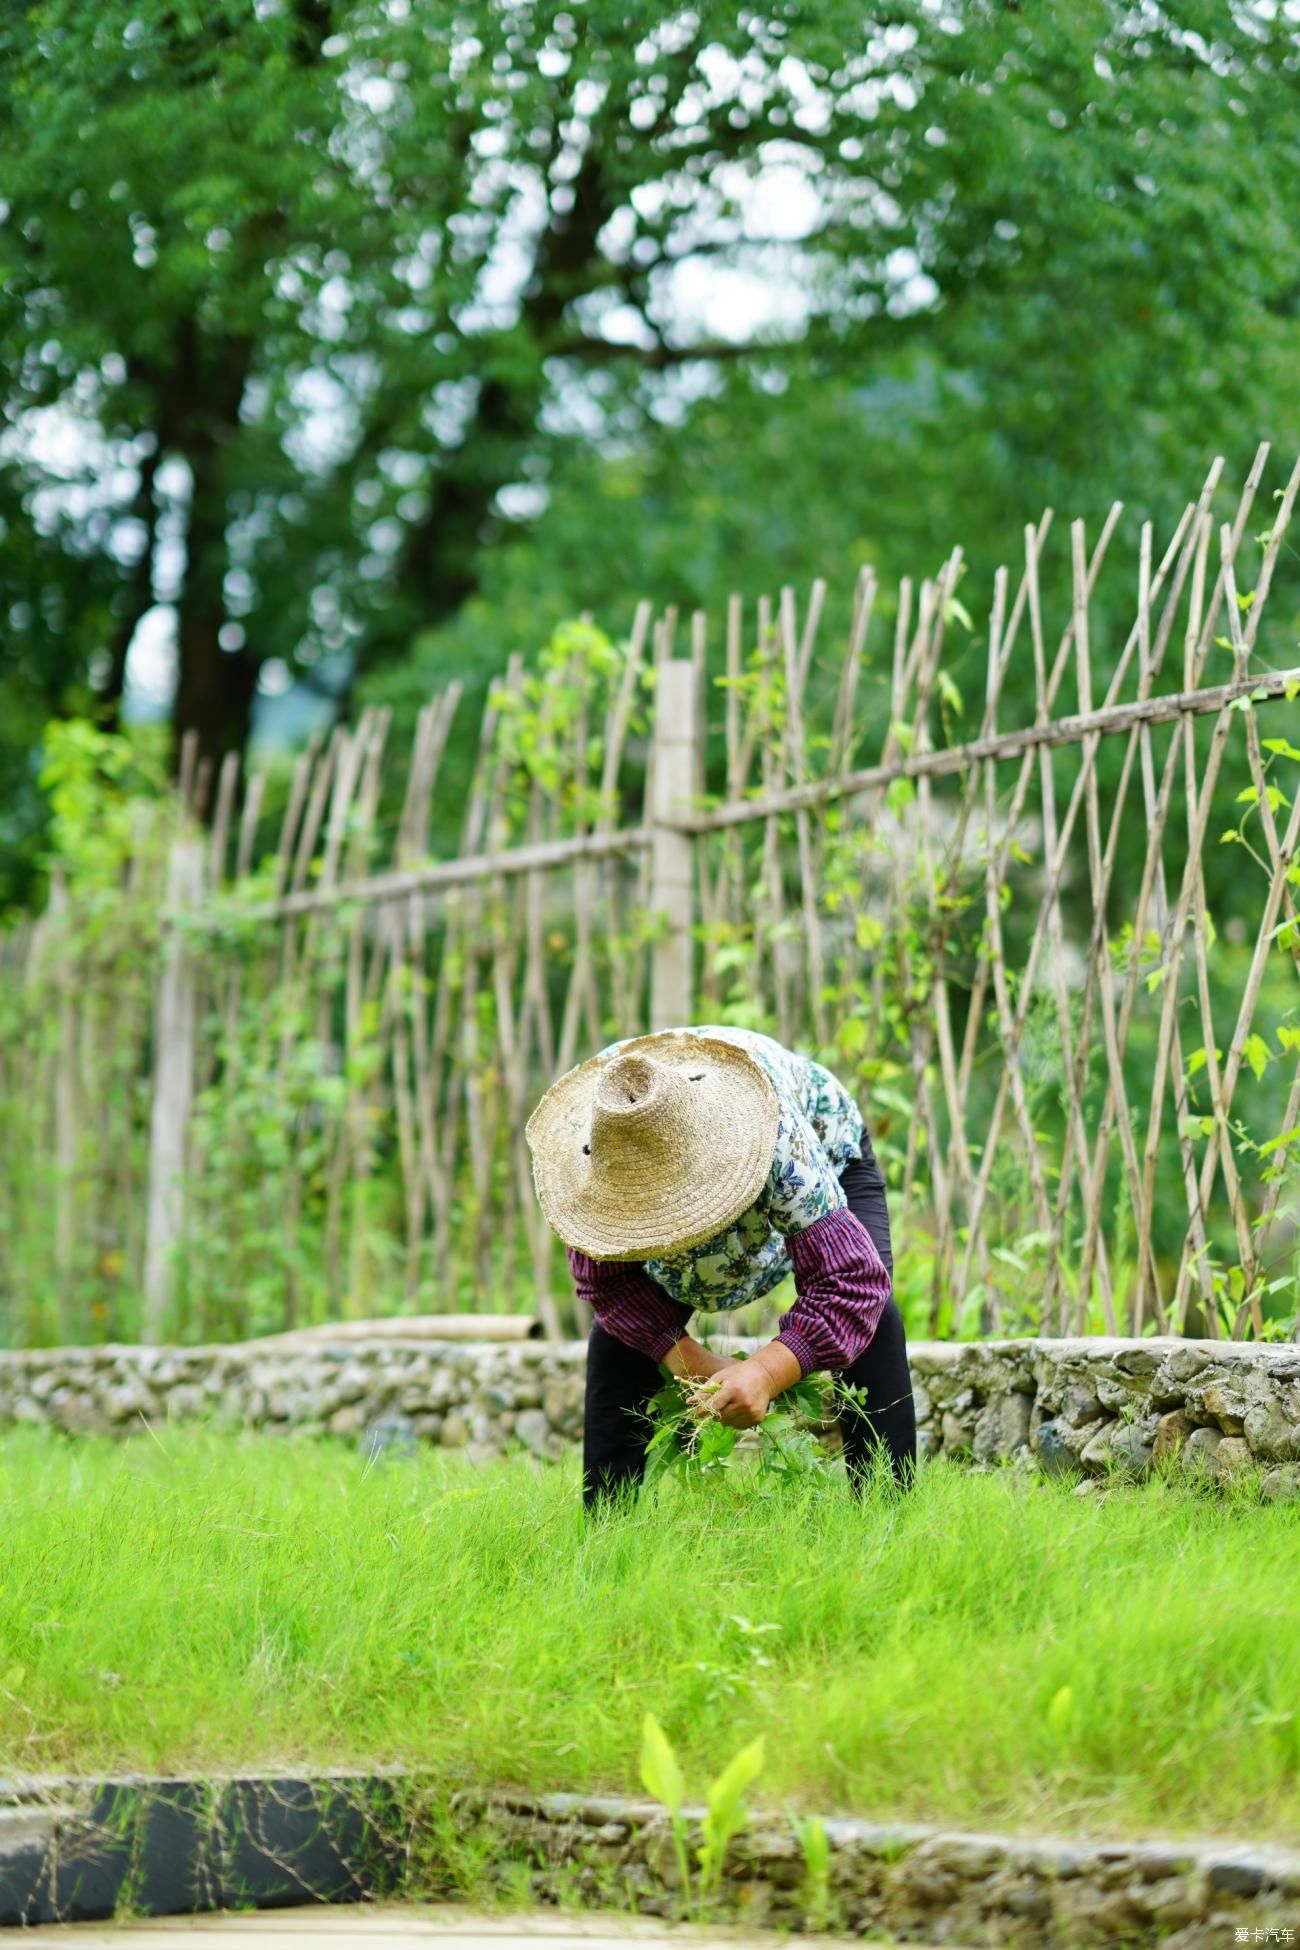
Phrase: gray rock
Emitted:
{"points": [[1171, 1901], [1137, 1361], [455, 1431], [391, 1438], [1227, 1406], [1280, 1484], [986, 1439], [348, 1420], [1270, 1431], [1002, 1426], [1232, 1454], [184, 1401], [1172, 1433], [1119, 1446], [957, 1434], [1054, 1454], [1201, 1445], [77, 1413], [1241, 1874], [1115, 1391], [562, 1403], [127, 1397], [533, 1430], [1079, 1405]]}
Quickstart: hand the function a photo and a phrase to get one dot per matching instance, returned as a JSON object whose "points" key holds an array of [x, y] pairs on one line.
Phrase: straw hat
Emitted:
{"points": [[655, 1148]]}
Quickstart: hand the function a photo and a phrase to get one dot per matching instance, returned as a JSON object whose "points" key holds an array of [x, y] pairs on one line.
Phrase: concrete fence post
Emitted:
{"points": [[672, 886], [173, 1086]]}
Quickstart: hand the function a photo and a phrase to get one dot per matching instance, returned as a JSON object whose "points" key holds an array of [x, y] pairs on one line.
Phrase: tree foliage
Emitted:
{"points": [[362, 328]]}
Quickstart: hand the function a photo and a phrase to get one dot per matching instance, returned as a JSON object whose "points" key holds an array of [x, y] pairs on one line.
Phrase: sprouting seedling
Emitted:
{"points": [[724, 1814], [727, 1811], [661, 1776], [815, 1844]]}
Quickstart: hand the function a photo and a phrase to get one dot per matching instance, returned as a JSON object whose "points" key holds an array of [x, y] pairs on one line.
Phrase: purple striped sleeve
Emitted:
{"points": [[841, 1284], [628, 1304]]}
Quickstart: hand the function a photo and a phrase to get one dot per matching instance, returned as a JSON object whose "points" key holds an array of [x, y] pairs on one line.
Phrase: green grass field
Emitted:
{"points": [[993, 1649]]}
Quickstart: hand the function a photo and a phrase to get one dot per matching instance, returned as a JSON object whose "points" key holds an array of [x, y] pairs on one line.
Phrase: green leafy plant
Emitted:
{"points": [[662, 1777], [724, 1814], [689, 1444], [816, 1848]]}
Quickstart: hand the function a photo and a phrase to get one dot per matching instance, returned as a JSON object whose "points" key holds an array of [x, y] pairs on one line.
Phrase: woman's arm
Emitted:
{"points": [[630, 1306], [841, 1287], [688, 1357]]}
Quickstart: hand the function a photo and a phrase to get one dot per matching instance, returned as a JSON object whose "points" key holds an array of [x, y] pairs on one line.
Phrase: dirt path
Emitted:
{"points": [[450, 1927]]}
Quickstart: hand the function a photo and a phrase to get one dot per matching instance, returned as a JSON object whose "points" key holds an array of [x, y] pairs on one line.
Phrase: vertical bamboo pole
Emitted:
{"points": [[173, 1083], [676, 732]]}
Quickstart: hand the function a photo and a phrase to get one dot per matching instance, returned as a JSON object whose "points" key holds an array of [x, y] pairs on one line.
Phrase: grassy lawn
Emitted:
{"points": [[994, 1650]]}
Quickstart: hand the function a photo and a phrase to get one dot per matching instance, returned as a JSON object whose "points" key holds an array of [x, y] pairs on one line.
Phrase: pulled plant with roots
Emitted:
{"points": [[688, 1442]]}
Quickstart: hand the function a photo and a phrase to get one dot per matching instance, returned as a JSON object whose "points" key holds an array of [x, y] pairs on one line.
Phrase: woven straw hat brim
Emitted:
{"points": [[722, 1143]]}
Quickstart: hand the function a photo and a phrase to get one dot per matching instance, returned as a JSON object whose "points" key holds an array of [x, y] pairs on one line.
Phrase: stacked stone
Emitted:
{"points": [[1100, 1406], [1095, 1406], [473, 1396], [915, 1880]]}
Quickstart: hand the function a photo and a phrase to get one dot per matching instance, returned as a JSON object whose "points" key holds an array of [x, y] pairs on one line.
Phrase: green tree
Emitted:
{"points": [[353, 299]]}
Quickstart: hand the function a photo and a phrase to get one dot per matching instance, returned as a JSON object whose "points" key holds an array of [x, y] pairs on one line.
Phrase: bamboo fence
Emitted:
{"points": [[300, 1090]]}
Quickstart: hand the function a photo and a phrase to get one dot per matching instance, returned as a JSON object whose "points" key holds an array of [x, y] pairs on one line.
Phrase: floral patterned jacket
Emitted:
{"points": [[799, 1222], [818, 1132]]}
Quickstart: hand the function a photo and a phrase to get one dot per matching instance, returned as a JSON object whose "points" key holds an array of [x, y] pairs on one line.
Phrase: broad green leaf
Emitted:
{"points": [[815, 1843], [1060, 1710], [660, 1774], [725, 1793], [1257, 1053]]}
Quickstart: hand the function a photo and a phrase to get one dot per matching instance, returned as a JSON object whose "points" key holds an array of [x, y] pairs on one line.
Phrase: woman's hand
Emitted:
{"points": [[743, 1397], [747, 1388]]}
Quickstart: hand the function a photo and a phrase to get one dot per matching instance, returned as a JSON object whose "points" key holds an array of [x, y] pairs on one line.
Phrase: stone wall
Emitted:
{"points": [[916, 1880], [1094, 1406], [73, 1850]]}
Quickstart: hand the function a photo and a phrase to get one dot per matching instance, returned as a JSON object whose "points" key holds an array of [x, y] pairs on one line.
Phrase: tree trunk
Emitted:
{"points": [[139, 595], [214, 687]]}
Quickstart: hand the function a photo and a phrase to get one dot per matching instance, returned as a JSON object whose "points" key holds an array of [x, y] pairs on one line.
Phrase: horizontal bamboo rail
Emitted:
{"points": [[375, 890], [1009, 744]]}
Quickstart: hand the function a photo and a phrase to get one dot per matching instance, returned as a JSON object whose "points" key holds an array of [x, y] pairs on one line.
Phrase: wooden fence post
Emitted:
{"points": [[173, 1086], [672, 892], [65, 1105]]}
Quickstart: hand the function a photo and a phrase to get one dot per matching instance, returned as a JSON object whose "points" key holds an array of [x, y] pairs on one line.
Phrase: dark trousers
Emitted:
{"points": [[621, 1381]]}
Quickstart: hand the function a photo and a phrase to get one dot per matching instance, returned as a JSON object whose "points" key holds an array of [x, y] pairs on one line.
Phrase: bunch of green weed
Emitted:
{"points": [[692, 1446]]}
